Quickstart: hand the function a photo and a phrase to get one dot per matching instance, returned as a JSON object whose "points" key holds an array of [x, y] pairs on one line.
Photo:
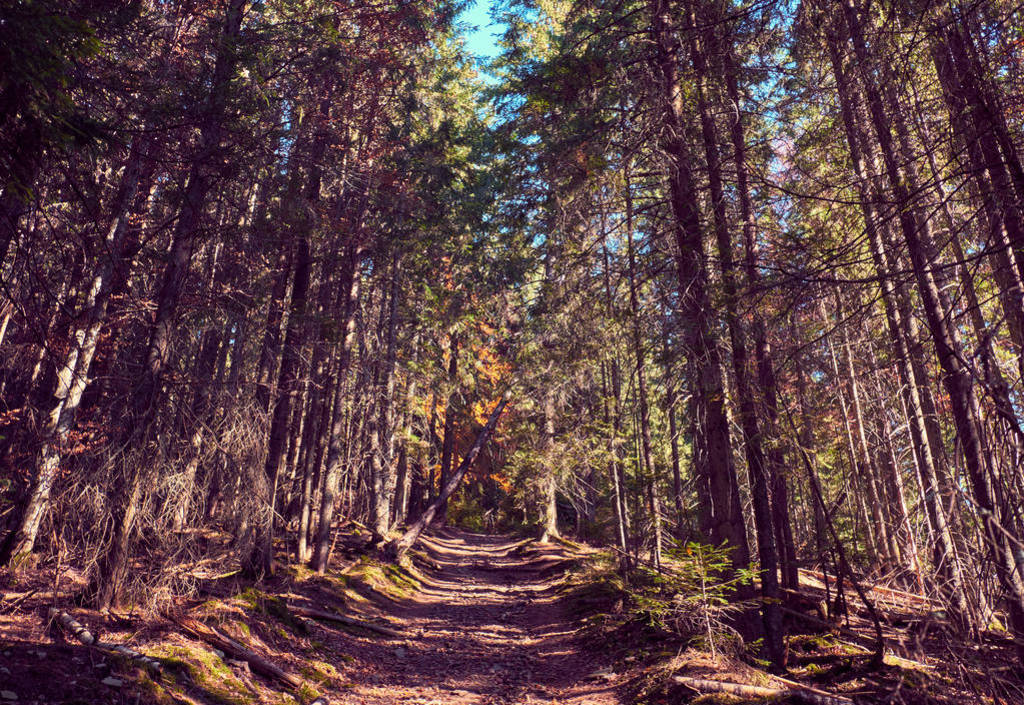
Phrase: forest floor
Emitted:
{"points": [[488, 625], [471, 620], [479, 619]]}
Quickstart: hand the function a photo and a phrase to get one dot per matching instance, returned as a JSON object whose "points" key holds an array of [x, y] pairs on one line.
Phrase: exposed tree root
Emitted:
{"points": [[341, 619]]}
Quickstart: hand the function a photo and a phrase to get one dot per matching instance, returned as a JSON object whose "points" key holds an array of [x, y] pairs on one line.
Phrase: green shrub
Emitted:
{"points": [[465, 511], [696, 595]]}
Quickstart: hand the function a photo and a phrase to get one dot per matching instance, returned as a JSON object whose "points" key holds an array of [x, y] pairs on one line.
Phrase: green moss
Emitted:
{"points": [[253, 598], [367, 570], [272, 606], [320, 672], [193, 660], [814, 669], [812, 642], [388, 580], [154, 692], [401, 577], [307, 693], [997, 626], [300, 572], [207, 671], [567, 543]]}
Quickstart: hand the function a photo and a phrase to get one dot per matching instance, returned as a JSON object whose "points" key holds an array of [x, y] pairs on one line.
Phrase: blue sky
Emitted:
{"points": [[481, 40]]}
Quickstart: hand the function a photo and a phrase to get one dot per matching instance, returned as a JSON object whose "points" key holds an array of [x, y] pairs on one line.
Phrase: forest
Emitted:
{"points": [[694, 328]]}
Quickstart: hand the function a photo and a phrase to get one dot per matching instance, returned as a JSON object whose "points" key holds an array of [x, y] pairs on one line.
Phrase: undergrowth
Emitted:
{"points": [[693, 596], [690, 601], [666, 620], [683, 619]]}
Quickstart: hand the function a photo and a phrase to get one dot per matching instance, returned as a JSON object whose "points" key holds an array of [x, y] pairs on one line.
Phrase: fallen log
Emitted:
{"points": [[15, 604], [857, 638], [73, 626], [806, 691], [397, 548], [900, 661], [214, 637], [151, 663], [811, 697], [880, 589], [341, 619]]}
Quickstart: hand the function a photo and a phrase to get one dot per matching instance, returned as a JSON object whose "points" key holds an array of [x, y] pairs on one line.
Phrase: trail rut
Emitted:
{"points": [[488, 627]]}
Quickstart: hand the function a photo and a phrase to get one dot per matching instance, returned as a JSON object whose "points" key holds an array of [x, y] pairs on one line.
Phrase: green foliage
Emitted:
{"points": [[272, 606], [695, 596], [41, 45], [465, 511]]}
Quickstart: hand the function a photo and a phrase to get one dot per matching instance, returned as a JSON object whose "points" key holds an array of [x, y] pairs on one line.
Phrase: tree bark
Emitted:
{"points": [[956, 378], [448, 438], [612, 393], [260, 562], [706, 44], [944, 551], [107, 581], [400, 546], [723, 520], [348, 298], [383, 492], [73, 376], [640, 368]]}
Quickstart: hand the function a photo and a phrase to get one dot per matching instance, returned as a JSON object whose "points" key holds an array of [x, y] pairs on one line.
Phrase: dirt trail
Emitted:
{"points": [[487, 627]]}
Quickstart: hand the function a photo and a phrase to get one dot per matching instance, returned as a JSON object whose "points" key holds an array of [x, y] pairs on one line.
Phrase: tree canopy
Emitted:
{"points": [[749, 275]]}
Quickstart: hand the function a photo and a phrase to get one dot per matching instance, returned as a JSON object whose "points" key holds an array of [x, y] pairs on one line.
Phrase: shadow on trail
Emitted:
{"points": [[487, 626]]}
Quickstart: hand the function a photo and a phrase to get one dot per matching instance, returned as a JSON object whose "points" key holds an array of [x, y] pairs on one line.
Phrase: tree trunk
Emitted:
{"points": [[73, 376], [766, 379], [549, 480], [383, 493], [400, 546], [107, 581], [956, 378], [348, 300], [723, 520], [641, 379], [448, 442], [677, 478], [260, 562], [944, 551], [759, 488], [614, 412]]}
